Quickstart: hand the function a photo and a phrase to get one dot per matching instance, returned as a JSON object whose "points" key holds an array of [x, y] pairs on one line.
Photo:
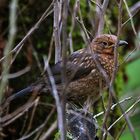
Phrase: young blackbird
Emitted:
{"points": [[82, 73]]}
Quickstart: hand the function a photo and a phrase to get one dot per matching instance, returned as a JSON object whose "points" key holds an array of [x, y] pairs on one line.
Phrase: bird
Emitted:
{"points": [[81, 71]]}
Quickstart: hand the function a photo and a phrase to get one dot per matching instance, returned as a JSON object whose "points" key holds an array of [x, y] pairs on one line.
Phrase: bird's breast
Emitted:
{"points": [[91, 84], [84, 87]]}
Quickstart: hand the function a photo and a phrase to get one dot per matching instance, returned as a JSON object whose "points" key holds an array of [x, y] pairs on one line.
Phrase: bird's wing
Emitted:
{"points": [[79, 64]]}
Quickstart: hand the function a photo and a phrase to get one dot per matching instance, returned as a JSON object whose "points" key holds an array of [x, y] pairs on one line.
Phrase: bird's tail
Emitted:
{"points": [[21, 93]]}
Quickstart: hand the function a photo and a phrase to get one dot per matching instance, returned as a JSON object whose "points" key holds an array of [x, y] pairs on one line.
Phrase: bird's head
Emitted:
{"points": [[104, 44]]}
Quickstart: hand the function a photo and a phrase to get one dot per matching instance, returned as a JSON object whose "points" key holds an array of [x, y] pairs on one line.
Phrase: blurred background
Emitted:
{"points": [[26, 62]]}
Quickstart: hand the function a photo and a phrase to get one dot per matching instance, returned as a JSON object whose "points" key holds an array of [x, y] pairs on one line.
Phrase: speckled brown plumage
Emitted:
{"points": [[86, 79], [81, 70]]}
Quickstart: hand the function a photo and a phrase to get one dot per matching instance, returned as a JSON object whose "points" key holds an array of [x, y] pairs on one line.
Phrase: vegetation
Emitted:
{"points": [[33, 33]]}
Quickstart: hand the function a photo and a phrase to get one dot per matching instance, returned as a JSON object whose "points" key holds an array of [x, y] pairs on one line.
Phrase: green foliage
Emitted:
{"points": [[133, 72], [128, 136], [57, 136], [132, 86], [119, 83], [29, 14]]}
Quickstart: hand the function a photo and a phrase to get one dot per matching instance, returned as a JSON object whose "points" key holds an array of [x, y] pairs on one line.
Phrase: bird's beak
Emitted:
{"points": [[122, 42]]}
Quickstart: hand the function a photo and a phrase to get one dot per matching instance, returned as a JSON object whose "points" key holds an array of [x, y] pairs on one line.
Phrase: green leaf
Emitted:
{"points": [[133, 74]]}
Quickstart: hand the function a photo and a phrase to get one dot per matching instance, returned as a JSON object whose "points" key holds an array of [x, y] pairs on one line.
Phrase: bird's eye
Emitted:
{"points": [[104, 44]]}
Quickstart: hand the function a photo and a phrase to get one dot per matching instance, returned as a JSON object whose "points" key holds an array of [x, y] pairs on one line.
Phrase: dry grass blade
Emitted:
{"points": [[11, 38]]}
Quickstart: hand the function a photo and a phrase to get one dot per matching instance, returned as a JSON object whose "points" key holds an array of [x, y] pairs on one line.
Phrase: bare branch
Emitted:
{"points": [[135, 8], [57, 19], [11, 38], [44, 15], [49, 131], [124, 114], [131, 18], [101, 17], [60, 114]]}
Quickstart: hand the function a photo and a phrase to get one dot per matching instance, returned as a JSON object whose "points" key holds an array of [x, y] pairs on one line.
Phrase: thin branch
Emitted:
{"points": [[64, 61], [8, 119], [29, 33], [57, 15], [83, 27], [131, 18], [135, 8], [113, 106], [130, 126], [58, 102], [121, 131], [50, 48], [45, 122], [39, 127], [49, 131], [74, 14], [127, 57], [111, 90], [124, 114], [101, 17], [18, 74], [11, 38], [32, 116]]}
